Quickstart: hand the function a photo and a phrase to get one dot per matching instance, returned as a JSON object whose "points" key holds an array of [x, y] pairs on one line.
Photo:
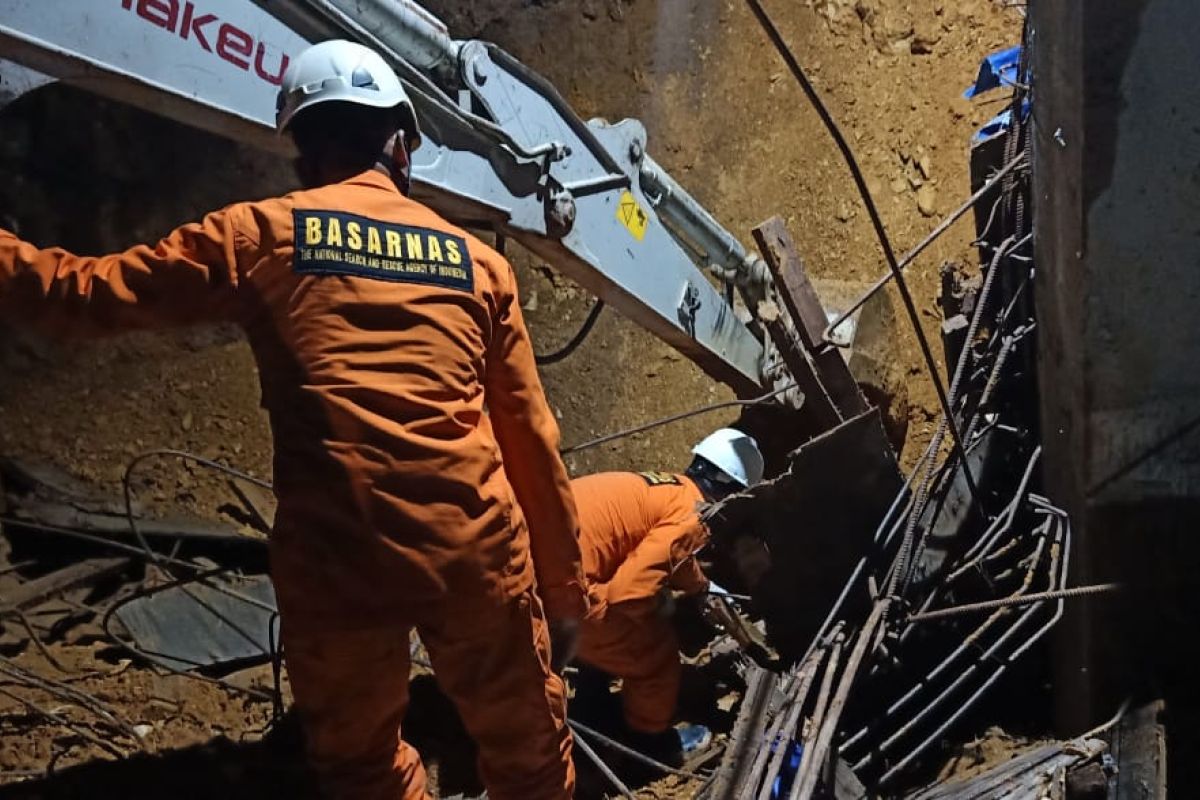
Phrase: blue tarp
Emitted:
{"points": [[998, 69], [999, 123], [787, 772]]}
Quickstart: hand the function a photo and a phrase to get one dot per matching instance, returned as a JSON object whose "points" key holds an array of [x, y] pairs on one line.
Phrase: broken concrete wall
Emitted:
{"points": [[1117, 118]]}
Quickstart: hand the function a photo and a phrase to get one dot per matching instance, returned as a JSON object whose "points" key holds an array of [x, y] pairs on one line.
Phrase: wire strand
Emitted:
{"points": [[576, 340], [613, 744], [609, 437], [127, 487]]}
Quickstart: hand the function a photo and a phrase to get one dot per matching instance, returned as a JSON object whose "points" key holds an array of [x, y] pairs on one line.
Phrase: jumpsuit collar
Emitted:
{"points": [[374, 178]]}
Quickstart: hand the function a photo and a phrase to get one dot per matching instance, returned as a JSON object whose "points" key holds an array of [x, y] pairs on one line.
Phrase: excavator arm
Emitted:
{"points": [[502, 150]]}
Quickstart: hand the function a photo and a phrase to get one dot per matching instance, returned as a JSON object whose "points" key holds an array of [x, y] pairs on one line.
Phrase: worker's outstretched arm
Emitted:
{"points": [[187, 277], [528, 437], [664, 557]]}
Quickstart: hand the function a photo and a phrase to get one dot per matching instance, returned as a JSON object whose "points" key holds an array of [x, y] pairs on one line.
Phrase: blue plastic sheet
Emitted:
{"points": [[999, 123], [787, 773], [998, 69]]}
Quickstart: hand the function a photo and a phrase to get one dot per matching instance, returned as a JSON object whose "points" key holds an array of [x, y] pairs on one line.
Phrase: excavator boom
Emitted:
{"points": [[502, 150]]}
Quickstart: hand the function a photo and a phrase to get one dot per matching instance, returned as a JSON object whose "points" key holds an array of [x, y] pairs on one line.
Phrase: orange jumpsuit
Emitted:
{"points": [[637, 533], [380, 332]]}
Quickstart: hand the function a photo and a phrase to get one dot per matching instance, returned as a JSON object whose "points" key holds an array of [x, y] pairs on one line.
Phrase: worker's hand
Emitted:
{"points": [[564, 640], [713, 610], [664, 603], [597, 599]]}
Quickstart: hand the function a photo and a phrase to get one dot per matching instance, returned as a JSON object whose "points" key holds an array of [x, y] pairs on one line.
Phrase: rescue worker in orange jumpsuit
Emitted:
{"points": [[381, 333], [639, 533]]}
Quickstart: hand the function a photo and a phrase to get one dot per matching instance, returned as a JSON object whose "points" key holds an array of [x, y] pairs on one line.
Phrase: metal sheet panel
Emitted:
{"points": [[196, 625]]}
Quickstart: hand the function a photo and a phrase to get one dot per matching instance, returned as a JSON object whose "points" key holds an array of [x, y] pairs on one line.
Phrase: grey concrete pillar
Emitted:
{"points": [[1117, 188]]}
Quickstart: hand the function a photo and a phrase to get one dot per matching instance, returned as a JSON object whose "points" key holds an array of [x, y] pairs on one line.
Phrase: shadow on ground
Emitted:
{"points": [[272, 767], [220, 768], [275, 766]]}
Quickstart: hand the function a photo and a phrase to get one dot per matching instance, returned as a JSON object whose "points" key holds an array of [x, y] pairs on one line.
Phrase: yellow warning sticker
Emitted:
{"points": [[631, 215]]}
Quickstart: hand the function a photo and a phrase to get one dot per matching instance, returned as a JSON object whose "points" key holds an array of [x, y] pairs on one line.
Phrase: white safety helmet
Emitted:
{"points": [[734, 453], [342, 71]]}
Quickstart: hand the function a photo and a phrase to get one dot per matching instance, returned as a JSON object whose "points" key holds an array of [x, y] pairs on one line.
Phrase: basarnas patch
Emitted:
{"points": [[333, 243], [659, 478]]}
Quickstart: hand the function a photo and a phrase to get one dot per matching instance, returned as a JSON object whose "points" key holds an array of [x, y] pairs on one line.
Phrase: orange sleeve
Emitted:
{"points": [[528, 437], [190, 276], [665, 555]]}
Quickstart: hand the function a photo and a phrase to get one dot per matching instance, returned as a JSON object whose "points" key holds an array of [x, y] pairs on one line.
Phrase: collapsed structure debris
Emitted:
{"points": [[1041, 773], [929, 588], [967, 542], [184, 613]]}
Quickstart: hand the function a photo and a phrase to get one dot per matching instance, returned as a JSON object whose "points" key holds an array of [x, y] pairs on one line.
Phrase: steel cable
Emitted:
{"points": [[613, 744], [572, 345], [609, 437]]}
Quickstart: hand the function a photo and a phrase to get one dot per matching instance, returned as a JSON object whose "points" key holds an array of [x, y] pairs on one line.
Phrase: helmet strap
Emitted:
{"points": [[714, 484], [396, 159]]}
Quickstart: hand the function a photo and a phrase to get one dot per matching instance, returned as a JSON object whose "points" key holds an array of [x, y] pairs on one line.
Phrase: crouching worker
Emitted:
{"points": [[639, 533]]}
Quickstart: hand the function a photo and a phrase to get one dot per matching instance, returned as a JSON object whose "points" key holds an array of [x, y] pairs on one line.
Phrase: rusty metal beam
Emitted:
{"points": [[800, 300], [817, 400]]}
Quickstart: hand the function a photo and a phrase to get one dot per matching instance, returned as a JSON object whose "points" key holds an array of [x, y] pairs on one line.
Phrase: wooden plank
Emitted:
{"points": [[62, 515], [258, 501], [1028, 775], [80, 574], [1141, 745], [800, 300], [746, 736]]}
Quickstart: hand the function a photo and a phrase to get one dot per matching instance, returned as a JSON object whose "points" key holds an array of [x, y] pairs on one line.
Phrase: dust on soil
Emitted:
{"points": [[724, 117]]}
